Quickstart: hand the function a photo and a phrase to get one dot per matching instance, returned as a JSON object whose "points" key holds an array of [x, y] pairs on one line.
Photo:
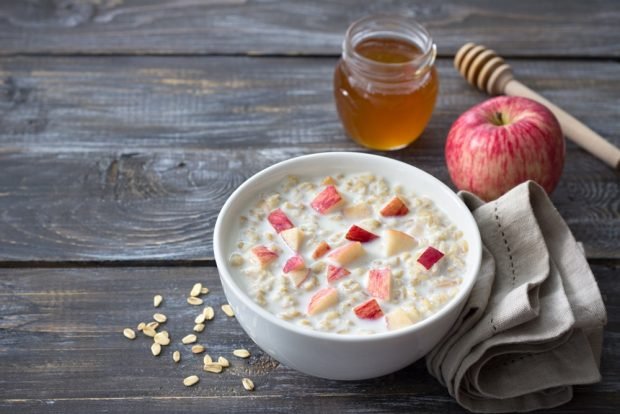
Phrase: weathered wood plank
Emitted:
{"points": [[61, 350], [131, 158], [116, 103], [143, 206], [524, 28]]}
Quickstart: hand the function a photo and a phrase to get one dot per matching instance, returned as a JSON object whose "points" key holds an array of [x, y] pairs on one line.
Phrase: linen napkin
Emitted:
{"points": [[533, 324]]}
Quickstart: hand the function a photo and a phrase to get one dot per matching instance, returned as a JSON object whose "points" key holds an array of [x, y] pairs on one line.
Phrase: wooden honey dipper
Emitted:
{"points": [[484, 69]]}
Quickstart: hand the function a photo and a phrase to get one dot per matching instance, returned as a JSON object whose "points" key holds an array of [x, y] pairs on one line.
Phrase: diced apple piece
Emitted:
{"points": [[397, 319], [293, 237], [334, 273], [430, 257], [356, 233], [298, 276], [397, 242], [347, 253], [322, 300], [357, 211], [368, 310], [279, 220], [395, 207], [328, 181], [412, 313], [380, 283], [263, 255], [294, 263], [327, 200], [320, 250]]}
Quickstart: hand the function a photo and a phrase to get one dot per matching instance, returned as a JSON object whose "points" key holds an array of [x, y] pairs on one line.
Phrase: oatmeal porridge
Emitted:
{"points": [[349, 254]]}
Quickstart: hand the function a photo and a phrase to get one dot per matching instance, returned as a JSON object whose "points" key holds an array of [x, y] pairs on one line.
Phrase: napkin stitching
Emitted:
{"points": [[501, 231]]}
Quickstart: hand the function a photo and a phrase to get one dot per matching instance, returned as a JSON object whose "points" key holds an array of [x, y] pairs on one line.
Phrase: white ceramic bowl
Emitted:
{"points": [[330, 355]]}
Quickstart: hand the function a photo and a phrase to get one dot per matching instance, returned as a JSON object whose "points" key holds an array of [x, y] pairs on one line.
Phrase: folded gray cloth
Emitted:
{"points": [[533, 324]]}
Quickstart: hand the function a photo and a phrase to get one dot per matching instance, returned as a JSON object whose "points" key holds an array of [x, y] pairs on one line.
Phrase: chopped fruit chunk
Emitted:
{"points": [[334, 273], [328, 181], [380, 283], [397, 319], [263, 255], [395, 207], [279, 220], [347, 253], [412, 313], [368, 310], [322, 300], [327, 200], [320, 250], [294, 263], [298, 276], [293, 237], [357, 211], [430, 257], [397, 242], [357, 233]]}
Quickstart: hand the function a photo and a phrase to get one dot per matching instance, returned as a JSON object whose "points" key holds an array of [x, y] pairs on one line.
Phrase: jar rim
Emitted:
{"points": [[427, 47]]}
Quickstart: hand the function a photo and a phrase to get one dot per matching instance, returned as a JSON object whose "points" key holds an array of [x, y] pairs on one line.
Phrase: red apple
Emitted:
{"points": [[503, 142]]}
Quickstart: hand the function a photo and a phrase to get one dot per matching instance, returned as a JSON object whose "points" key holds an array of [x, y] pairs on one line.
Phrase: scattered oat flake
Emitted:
{"points": [[213, 367], [228, 310], [208, 312], [162, 338], [241, 353], [189, 339], [204, 291], [157, 299], [153, 325], [200, 318], [223, 361], [199, 327], [198, 349], [129, 333], [191, 380], [196, 290], [160, 317], [194, 301], [207, 359], [156, 349], [141, 326], [148, 331], [176, 356], [248, 384]]}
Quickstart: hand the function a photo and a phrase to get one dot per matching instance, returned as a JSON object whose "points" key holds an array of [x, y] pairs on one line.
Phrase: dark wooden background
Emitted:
{"points": [[124, 126]]}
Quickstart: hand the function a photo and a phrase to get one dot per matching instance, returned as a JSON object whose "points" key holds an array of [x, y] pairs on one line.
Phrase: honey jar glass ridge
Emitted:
{"points": [[385, 83]]}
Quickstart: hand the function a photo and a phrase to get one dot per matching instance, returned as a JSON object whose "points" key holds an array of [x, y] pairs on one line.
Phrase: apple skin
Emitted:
{"points": [[503, 142]]}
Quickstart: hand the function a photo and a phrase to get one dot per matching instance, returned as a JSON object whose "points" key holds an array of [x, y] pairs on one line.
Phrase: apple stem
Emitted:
{"points": [[498, 116]]}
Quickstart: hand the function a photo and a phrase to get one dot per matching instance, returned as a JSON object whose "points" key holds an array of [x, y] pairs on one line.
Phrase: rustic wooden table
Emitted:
{"points": [[125, 124]]}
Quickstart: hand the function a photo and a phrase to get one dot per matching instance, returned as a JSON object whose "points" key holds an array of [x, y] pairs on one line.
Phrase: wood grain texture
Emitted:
{"points": [[524, 28], [200, 103], [153, 207], [132, 158], [62, 351]]}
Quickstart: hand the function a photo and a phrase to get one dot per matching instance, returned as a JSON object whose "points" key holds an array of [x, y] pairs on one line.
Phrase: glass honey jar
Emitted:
{"points": [[385, 84]]}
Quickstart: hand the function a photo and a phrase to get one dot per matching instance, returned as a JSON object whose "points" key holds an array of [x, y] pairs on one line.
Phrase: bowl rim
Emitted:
{"points": [[222, 263]]}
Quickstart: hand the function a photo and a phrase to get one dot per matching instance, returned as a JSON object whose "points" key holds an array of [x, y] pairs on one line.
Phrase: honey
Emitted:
{"points": [[385, 85]]}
